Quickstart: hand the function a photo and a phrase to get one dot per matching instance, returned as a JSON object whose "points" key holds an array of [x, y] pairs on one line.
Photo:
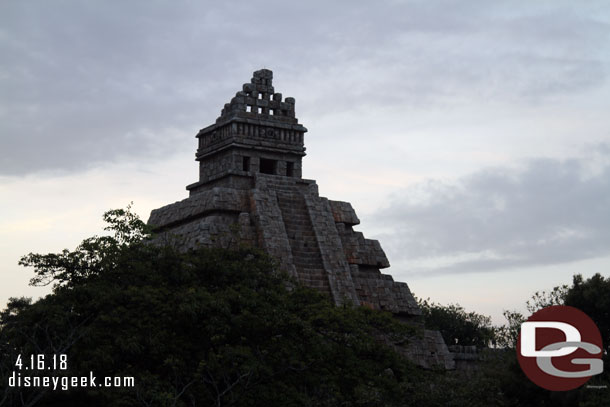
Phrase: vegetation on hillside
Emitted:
{"points": [[208, 327], [216, 327]]}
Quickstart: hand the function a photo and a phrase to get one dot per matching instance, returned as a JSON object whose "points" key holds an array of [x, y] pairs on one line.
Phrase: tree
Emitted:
{"points": [[207, 327], [224, 327], [498, 379], [543, 299], [592, 296], [457, 326]]}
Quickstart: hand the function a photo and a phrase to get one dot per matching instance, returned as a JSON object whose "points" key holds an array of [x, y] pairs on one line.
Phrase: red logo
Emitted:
{"points": [[560, 348]]}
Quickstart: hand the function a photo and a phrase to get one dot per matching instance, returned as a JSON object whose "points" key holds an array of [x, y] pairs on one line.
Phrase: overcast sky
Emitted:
{"points": [[472, 137]]}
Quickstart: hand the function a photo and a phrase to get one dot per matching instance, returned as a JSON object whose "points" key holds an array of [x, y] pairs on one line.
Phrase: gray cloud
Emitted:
{"points": [[544, 212], [84, 83]]}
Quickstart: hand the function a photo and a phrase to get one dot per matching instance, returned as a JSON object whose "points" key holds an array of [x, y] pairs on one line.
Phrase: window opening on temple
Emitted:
{"points": [[268, 166], [289, 169]]}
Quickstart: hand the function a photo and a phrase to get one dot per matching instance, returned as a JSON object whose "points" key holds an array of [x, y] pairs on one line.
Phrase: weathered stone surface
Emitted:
{"points": [[359, 250], [217, 199], [380, 291], [344, 213], [429, 350], [251, 191]]}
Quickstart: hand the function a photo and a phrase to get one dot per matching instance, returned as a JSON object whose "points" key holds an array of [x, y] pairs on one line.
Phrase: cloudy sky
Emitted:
{"points": [[472, 137]]}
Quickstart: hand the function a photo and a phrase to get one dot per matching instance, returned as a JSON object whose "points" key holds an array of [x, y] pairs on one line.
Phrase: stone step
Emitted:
{"points": [[302, 239], [315, 284], [302, 232], [305, 253]]}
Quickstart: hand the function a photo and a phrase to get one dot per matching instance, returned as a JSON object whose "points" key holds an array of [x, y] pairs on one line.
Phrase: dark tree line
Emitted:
{"points": [[218, 327]]}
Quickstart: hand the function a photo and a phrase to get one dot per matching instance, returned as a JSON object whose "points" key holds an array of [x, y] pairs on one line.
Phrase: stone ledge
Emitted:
{"points": [[343, 212], [217, 199]]}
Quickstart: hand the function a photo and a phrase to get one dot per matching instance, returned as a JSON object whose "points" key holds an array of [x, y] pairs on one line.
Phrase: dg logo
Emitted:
{"points": [[560, 348]]}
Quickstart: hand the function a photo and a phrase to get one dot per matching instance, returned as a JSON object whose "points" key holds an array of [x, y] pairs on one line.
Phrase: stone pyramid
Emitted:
{"points": [[251, 191]]}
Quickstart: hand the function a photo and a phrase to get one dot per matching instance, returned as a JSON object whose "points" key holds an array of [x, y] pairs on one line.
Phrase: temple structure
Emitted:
{"points": [[251, 191]]}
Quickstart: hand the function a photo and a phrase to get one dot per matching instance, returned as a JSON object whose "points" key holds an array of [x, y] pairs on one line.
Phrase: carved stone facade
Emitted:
{"points": [[250, 190]]}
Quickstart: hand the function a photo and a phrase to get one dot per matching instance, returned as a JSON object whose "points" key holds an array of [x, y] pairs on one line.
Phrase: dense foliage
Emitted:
{"points": [[208, 327], [223, 327], [457, 326], [592, 296]]}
